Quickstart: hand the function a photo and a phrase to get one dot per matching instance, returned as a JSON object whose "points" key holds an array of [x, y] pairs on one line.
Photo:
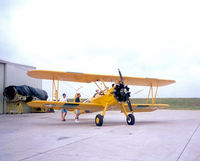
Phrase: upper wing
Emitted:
{"points": [[88, 78]]}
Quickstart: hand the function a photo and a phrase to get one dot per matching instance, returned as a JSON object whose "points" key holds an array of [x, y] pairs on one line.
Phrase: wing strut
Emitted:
{"points": [[104, 85], [98, 86], [55, 90], [153, 99]]}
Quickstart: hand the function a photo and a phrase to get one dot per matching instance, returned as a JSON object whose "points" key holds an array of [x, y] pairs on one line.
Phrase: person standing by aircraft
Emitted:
{"points": [[78, 99], [63, 111]]}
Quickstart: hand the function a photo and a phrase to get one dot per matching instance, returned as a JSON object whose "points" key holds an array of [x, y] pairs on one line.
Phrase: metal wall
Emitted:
{"points": [[16, 75], [1, 87]]}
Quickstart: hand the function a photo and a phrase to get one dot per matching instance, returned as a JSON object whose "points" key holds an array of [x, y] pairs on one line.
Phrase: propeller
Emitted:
{"points": [[121, 92], [121, 78]]}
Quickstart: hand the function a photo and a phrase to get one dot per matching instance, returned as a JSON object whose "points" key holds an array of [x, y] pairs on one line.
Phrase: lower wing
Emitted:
{"points": [[70, 106], [92, 107], [139, 107]]}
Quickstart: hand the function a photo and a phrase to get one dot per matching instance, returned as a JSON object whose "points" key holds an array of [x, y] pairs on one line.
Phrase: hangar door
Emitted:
{"points": [[1, 86]]}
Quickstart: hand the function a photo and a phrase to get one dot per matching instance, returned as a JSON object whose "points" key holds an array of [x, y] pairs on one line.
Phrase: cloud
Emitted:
{"points": [[142, 38]]}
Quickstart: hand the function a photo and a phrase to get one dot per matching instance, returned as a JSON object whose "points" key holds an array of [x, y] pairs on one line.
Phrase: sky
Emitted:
{"points": [[154, 39]]}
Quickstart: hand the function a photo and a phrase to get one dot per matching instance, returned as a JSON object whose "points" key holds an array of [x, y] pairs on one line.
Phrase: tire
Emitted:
{"points": [[99, 120], [130, 119]]}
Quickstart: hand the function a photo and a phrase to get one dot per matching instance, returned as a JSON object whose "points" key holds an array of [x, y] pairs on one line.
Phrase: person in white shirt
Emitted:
{"points": [[63, 111]]}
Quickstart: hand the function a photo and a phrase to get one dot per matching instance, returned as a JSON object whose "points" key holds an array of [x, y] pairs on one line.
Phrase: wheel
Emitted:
{"points": [[99, 120], [130, 119]]}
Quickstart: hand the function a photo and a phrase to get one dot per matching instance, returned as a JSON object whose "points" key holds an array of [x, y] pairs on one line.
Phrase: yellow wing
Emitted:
{"points": [[139, 107], [87, 107], [92, 107], [88, 78]]}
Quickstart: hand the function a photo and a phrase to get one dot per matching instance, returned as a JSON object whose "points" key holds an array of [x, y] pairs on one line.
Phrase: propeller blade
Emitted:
{"points": [[120, 74]]}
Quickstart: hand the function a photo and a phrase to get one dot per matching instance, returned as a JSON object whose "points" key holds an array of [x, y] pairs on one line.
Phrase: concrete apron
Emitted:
{"points": [[168, 135]]}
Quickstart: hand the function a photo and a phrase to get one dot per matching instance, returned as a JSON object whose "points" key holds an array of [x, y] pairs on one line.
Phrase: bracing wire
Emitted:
{"points": [[76, 90]]}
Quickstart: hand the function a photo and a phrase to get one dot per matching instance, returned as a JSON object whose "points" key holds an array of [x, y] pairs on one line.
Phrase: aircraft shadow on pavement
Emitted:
{"points": [[90, 122]]}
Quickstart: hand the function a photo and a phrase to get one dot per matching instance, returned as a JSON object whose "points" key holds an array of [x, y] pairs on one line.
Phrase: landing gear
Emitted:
{"points": [[130, 119], [99, 120]]}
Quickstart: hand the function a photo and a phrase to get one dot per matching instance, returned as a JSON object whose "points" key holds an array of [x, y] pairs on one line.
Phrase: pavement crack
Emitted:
{"points": [[188, 141], [56, 148]]}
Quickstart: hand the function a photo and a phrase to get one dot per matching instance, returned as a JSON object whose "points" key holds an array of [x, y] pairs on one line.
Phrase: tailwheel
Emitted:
{"points": [[130, 119], [99, 120]]}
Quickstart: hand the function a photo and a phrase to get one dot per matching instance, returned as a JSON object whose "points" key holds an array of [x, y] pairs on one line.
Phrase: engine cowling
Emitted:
{"points": [[121, 93]]}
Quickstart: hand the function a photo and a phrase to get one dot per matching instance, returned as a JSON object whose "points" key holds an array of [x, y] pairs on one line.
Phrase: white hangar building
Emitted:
{"points": [[15, 74]]}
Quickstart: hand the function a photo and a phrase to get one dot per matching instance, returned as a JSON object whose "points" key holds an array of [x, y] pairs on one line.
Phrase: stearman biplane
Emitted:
{"points": [[117, 98]]}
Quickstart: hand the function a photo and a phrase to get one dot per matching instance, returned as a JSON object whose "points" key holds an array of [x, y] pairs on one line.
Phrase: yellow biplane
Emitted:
{"points": [[116, 98]]}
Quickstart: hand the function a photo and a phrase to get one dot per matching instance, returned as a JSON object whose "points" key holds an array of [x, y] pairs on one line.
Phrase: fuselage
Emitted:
{"points": [[106, 97]]}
